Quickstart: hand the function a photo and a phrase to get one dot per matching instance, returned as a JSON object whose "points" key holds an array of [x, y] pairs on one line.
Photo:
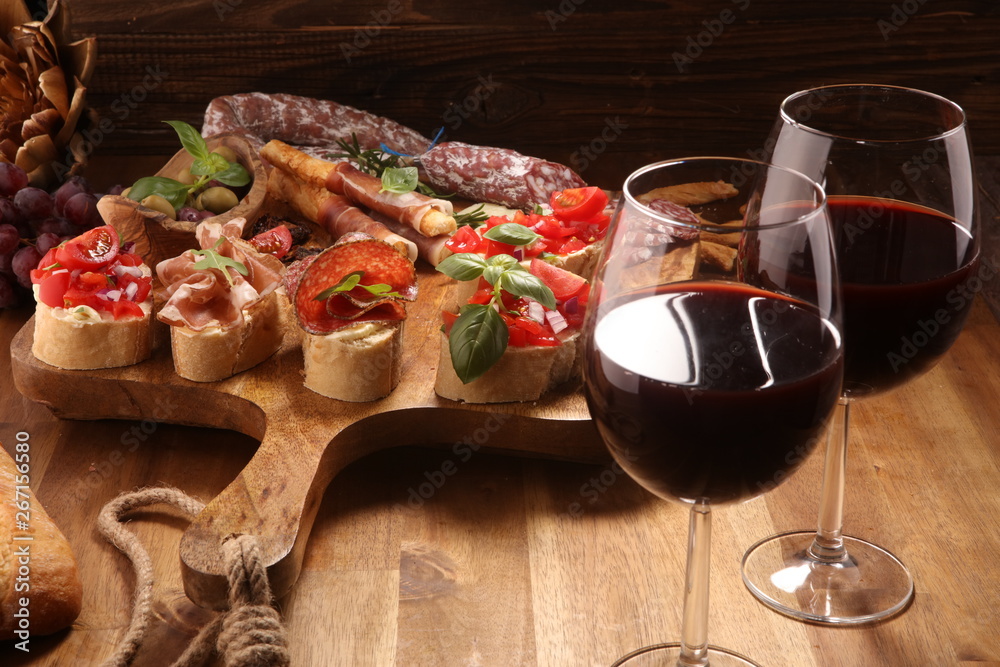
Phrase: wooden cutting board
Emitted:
{"points": [[305, 438]]}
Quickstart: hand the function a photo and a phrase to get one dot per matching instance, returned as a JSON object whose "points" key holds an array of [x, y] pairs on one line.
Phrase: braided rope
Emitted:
{"points": [[249, 634]]}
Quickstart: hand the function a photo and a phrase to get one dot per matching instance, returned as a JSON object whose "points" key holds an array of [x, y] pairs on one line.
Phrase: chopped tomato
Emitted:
{"points": [[449, 320], [129, 259], [543, 340], [466, 239], [516, 336], [143, 286], [125, 308], [276, 241], [571, 246], [52, 286], [494, 248], [578, 203], [530, 325], [562, 283], [482, 296], [91, 251]]}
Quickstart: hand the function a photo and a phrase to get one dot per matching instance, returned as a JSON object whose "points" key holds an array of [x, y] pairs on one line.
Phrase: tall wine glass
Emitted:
{"points": [[712, 369], [896, 166]]}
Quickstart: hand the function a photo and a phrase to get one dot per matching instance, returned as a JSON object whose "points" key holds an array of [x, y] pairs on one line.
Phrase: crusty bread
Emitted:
{"points": [[216, 354], [521, 374], [40, 590], [82, 340], [360, 362]]}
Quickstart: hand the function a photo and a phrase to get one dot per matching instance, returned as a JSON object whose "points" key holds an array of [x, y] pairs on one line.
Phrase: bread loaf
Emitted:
{"points": [[79, 338], [357, 363], [40, 590]]}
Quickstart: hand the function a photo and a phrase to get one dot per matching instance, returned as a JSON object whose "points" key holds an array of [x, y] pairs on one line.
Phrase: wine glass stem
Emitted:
{"points": [[694, 633], [828, 546]]}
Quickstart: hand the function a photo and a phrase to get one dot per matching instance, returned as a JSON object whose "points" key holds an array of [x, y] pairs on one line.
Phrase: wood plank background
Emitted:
{"points": [[603, 87]]}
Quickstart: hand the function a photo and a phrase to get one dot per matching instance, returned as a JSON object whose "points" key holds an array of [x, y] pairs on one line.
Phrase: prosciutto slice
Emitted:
{"points": [[199, 298]]}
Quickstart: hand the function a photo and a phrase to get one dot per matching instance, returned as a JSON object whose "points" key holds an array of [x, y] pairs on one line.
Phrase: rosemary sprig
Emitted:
{"points": [[371, 161], [472, 217]]}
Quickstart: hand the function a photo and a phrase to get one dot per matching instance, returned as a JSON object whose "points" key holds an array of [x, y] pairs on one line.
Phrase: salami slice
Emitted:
{"points": [[495, 175], [377, 263], [306, 121]]}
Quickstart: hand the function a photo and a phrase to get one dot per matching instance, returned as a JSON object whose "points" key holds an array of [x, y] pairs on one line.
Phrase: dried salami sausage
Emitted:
{"points": [[496, 175]]}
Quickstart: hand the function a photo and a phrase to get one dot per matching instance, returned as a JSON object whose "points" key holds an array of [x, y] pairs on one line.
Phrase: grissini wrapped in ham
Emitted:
{"points": [[220, 304], [427, 215], [335, 213], [349, 302]]}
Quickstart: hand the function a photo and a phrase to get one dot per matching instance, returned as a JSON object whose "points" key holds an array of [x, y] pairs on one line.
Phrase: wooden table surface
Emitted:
{"points": [[525, 562]]}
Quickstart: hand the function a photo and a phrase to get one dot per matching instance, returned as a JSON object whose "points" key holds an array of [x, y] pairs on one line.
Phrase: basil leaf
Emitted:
{"points": [[346, 284], [512, 234], [493, 273], [521, 283], [503, 261], [191, 138], [173, 191], [399, 180], [209, 165], [234, 175], [462, 266], [477, 341]]}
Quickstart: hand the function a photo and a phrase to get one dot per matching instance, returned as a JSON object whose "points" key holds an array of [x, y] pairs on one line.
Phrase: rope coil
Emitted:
{"points": [[248, 634]]}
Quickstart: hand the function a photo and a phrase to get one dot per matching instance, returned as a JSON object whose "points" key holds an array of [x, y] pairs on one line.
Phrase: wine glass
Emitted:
{"points": [[896, 166], [713, 362]]}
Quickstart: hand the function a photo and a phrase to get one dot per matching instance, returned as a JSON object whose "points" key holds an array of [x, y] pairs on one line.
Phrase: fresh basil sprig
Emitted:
{"points": [[207, 166], [352, 280], [211, 259], [399, 180], [512, 233], [478, 337]]}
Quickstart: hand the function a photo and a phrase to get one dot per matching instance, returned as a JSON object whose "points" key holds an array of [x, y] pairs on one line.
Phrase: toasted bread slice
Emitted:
{"points": [[80, 339], [359, 362]]}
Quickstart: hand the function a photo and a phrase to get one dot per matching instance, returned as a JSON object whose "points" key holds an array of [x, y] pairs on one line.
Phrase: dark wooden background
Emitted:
{"points": [[602, 86]]}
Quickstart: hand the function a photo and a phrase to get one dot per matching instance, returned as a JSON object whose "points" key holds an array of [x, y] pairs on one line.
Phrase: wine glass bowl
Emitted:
{"points": [[896, 165], [711, 381]]}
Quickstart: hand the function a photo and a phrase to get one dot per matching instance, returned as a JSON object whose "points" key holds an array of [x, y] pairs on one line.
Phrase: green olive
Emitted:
{"points": [[186, 177], [125, 192], [217, 200], [158, 203], [226, 152]]}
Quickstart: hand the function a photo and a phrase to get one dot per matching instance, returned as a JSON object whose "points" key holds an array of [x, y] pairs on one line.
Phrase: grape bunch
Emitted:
{"points": [[32, 221]]}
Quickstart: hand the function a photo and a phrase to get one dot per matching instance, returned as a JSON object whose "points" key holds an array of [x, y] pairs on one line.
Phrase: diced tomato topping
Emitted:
{"points": [[129, 259], [529, 325], [466, 239], [578, 203], [125, 308], [449, 320], [276, 241], [91, 251], [571, 246], [516, 336], [482, 296], [562, 283], [494, 248], [544, 340], [52, 286]]}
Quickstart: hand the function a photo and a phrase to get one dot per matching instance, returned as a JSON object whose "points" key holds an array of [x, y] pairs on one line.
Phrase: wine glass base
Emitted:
{"points": [[869, 584], [668, 655]]}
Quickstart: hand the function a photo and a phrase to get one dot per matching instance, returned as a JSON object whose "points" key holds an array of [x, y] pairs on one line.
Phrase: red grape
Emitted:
{"points": [[5, 269], [9, 239], [74, 185], [12, 179], [116, 189], [8, 291], [8, 212], [23, 262], [57, 226], [33, 203], [81, 210], [46, 241]]}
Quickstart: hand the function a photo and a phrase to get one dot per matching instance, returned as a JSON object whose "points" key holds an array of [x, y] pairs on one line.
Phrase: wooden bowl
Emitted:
{"points": [[156, 235]]}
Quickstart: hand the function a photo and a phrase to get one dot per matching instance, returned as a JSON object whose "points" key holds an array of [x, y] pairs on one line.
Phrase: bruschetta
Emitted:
{"points": [[93, 303]]}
